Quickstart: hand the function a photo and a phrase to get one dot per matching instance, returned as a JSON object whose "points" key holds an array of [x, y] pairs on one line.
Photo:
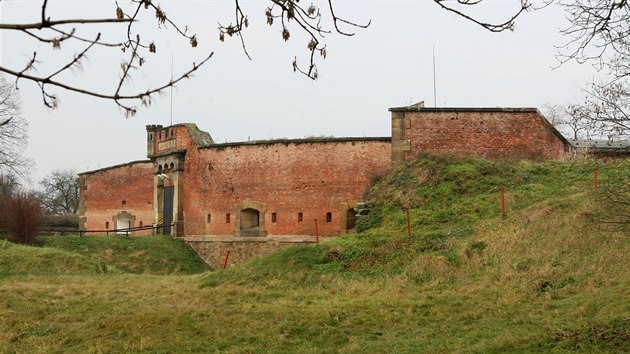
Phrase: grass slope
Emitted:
{"points": [[546, 277], [150, 255], [18, 259]]}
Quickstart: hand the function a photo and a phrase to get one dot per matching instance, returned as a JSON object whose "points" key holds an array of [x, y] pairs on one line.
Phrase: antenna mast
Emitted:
{"points": [[171, 89], [434, 90]]}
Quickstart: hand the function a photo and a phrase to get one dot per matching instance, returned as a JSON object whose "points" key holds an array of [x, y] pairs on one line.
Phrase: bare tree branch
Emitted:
{"points": [[50, 24], [289, 13], [132, 44], [306, 18], [449, 5], [43, 81]]}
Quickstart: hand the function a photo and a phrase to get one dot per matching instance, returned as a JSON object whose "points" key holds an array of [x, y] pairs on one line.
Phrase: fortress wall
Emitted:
{"points": [[285, 178], [104, 191], [488, 133], [214, 251]]}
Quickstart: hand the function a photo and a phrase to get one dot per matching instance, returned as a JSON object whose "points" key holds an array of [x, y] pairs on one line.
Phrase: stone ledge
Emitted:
{"points": [[252, 239]]}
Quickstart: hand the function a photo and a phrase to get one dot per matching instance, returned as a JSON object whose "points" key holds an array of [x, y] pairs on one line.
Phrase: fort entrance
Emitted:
{"points": [[250, 219]]}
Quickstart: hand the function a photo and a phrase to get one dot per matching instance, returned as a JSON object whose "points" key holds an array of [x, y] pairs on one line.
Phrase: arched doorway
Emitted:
{"points": [[250, 219]]}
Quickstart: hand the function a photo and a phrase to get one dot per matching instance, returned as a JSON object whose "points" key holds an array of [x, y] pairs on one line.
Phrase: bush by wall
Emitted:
{"points": [[21, 217]]}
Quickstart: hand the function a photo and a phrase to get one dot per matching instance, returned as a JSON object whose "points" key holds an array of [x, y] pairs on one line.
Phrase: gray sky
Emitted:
{"points": [[234, 99]]}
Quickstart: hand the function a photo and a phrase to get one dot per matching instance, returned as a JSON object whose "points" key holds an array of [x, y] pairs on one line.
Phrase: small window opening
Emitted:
{"points": [[300, 217], [107, 225], [328, 217], [140, 223], [150, 137], [273, 217], [208, 218], [124, 203], [172, 133], [227, 218]]}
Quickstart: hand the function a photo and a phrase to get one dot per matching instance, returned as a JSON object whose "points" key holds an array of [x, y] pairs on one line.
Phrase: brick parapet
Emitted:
{"points": [[490, 133]]}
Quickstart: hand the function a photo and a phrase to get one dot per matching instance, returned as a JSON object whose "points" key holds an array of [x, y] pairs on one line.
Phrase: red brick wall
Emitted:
{"points": [[103, 193], [312, 178], [519, 134]]}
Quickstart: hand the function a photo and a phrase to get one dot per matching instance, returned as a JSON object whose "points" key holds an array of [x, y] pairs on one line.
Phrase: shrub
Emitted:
{"points": [[21, 217], [61, 221], [371, 220]]}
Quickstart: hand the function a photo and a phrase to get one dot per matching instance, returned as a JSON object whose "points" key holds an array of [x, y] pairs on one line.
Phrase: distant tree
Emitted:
{"points": [[608, 108], [554, 114], [9, 183], [13, 131], [60, 193], [135, 46], [572, 119]]}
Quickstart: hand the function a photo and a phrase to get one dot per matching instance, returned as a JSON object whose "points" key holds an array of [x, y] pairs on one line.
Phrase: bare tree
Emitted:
{"points": [[555, 114], [608, 107], [598, 33], [13, 131], [135, 47], [573, 120], [9, 183], [61, 192]]}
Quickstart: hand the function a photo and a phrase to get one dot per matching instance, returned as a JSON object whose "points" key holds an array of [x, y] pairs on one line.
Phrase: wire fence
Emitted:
{"points": [[62, 231]]}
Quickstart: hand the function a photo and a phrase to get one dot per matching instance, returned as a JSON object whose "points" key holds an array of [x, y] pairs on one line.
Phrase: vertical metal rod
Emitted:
{"points": [[434, 85], [408, 224], [227, 255], [171, 90], [595, 183], [316, 232]]}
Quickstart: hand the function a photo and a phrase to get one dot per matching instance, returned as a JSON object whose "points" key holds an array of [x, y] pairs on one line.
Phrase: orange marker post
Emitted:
{"points": [[227, 255]]}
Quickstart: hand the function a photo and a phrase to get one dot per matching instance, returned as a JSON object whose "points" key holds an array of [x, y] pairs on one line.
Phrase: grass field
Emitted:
{"points": [[545, 277]]}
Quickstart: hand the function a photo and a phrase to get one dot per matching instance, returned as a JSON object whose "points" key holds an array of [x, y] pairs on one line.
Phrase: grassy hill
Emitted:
{"points": [[139, 255], [18, 259], [546, 276]]}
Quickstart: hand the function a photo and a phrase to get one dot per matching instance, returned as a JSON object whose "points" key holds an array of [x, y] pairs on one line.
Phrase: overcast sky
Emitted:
{"points": [[235, 99]]}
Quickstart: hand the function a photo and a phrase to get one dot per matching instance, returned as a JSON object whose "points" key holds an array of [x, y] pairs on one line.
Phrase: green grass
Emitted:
{"points": [[545, 277], [18, 259], [150, 255]]}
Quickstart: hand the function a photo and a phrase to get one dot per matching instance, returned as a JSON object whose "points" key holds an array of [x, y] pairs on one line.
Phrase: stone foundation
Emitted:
{"points": [[213, 249]]}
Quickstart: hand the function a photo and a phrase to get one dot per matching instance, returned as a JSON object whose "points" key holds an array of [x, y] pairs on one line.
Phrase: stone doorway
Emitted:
{"points": [[351, 219], [122, 225], [123, 220], [250, 219], [347, 216]]}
